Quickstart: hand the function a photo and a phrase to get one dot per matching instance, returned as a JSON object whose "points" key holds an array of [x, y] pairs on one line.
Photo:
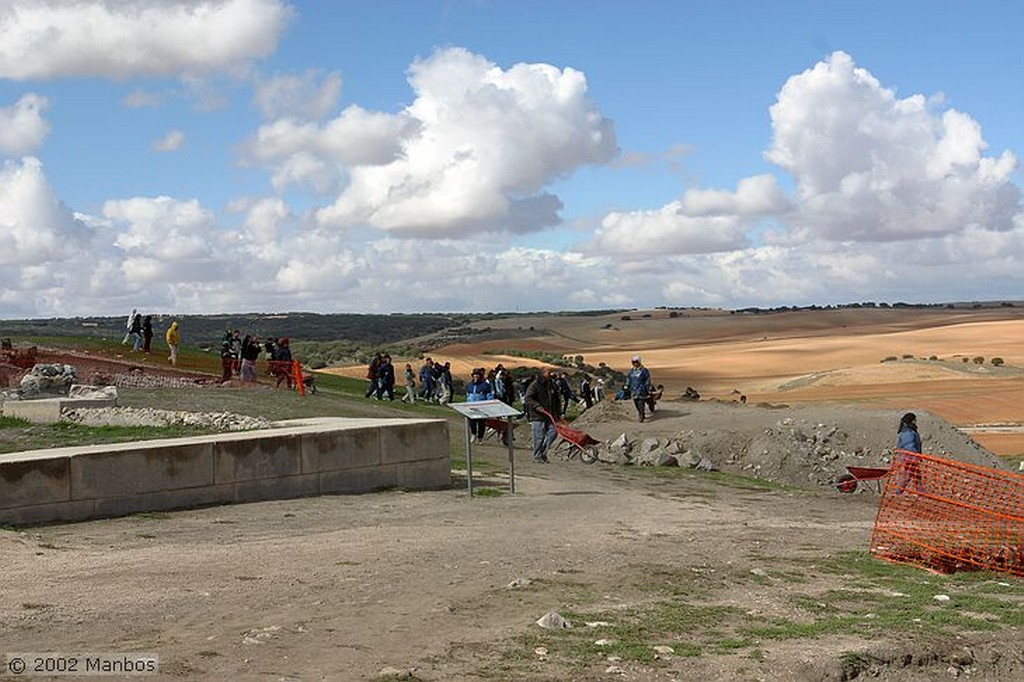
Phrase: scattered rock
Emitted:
{"points": [[86, 392], [45, 381], [553, 621], [129, 416], [393, 673]]}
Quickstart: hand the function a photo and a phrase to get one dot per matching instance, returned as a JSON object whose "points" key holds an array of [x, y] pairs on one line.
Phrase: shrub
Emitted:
{"points": [[908, 356], [626, 317], [979, 360], [997, 361], [966, 359], [933, 357], [889, 358]]}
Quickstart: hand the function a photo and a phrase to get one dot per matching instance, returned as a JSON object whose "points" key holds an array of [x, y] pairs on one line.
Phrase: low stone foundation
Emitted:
{"points": [[297, 458], [48, 410]]}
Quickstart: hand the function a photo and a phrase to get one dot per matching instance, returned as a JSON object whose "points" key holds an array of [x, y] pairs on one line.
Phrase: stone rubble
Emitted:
{"points": [[45, 381], [812, 447], [147, 416]]}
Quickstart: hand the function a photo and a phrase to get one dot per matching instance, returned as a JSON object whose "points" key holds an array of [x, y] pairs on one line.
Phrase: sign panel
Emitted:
{"points": [[485, 409]]}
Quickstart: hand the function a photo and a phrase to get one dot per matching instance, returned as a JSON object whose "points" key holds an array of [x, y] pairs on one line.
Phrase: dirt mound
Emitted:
{"points": [[796, 445]]}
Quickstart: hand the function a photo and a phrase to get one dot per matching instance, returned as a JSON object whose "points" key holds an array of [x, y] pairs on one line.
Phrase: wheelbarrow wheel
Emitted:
{"points": [[588, 454], [847, 483]]}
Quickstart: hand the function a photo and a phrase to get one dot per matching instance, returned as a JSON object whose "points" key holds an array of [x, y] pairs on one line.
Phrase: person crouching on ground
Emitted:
{"points": [[655, 396], [638, 381], [542, 394], [478, 389]]}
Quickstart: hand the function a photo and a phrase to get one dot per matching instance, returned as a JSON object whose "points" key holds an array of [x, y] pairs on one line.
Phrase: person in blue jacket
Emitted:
{"points": [[638, 381], [908, 440], [478, 389]]}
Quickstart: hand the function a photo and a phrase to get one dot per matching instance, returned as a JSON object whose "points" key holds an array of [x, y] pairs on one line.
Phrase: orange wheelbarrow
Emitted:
{"points": [[847, 483], [496, 427], [573, 441]]}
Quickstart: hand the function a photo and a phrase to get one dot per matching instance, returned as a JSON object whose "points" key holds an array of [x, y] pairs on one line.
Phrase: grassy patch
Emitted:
{"points": [[14, 423], [489, 492], [27, 436], [686, 474], [682, 608]]}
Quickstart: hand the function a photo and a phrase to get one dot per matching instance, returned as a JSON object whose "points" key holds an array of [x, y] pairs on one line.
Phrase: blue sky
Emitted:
{"points": [[188, 156]]}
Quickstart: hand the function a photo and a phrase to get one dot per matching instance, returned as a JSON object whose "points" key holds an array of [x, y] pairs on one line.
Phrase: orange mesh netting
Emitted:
{"points": [[950, 516]]}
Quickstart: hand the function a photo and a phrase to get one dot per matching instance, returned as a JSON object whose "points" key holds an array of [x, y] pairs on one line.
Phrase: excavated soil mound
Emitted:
{"points": [[796, 445]]}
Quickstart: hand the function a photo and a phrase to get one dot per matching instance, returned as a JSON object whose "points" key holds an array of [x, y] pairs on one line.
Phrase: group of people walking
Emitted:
{"points": [[239, 355], [139, 333], [546, 396]]}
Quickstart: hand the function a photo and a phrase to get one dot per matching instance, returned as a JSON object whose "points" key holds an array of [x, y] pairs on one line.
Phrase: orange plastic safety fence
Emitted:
{"points": [[950, 516], [288, 372]]}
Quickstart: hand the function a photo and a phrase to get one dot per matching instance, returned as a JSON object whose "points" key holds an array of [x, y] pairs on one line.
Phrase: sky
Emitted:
{"points": [[219, 156]]}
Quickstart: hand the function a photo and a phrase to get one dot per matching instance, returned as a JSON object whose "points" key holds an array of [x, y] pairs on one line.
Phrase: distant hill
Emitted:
{"points": [[396, 328], [201, 330]]}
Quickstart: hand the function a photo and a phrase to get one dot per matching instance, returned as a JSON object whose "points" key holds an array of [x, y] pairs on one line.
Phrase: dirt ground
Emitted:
{"points": [[440, 586], [417, 583], [341, 588]]}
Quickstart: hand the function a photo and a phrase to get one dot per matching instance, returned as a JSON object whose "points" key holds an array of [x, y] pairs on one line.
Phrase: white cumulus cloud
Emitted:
{"points": [[870, 166], [22, 126], [123, 38], [667, 230], [475, 150], [37, 227], [164, 229], [758, 195]]}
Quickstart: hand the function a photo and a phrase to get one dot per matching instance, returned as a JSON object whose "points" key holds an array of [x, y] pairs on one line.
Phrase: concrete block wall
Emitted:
{"points": [[298, 458]]}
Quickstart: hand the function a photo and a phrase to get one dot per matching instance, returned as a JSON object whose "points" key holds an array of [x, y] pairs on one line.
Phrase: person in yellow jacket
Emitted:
{"points": [[173, 338]]}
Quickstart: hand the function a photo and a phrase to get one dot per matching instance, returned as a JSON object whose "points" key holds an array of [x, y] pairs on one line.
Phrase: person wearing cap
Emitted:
{"points": [[479, 388], [638, 381]]}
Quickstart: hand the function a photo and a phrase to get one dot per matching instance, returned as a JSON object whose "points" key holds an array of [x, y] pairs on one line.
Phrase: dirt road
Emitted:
{"points": [[417, 584]]}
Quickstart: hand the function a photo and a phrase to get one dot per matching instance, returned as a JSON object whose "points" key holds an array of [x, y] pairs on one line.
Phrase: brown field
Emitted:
{"points": [[802, 357]]}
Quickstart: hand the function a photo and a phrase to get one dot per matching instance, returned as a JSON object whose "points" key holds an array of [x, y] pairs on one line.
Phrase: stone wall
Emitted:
{"points": [[297, 458]]}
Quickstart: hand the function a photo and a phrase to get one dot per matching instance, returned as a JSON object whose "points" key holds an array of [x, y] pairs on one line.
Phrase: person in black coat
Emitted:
{"points": [[147, 333], [385, 378], [542, 396]]}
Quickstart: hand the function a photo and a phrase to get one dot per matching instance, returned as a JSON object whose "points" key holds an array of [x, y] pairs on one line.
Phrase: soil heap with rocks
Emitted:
{"points": [[795, 445]]}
